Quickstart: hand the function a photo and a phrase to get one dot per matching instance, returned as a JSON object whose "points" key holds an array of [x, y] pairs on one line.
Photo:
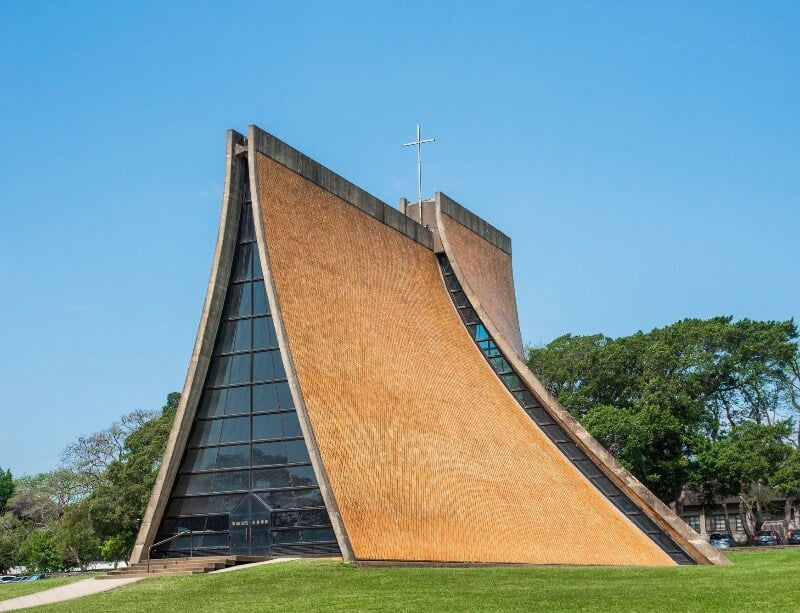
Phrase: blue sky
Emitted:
{"points": [[643, 157]]}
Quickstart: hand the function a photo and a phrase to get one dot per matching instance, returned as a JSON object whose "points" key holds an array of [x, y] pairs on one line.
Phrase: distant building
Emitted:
{"points": [[707, 517], [357, 388]]}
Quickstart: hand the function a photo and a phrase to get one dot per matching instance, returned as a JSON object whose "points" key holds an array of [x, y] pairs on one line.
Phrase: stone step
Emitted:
{"points": [[179, 566], [171, 573], [139, 571], [184, 565], [191, 559]]}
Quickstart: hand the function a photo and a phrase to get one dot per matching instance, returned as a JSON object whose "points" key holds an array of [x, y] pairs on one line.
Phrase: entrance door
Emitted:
{"points": [[250, 527]]}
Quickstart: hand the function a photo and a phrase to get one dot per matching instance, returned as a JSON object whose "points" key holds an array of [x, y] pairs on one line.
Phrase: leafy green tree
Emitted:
{"points": [[744, 463], [786, 479], [43, 498], [650, 442], [76, 541], [32, 502], [6, 488], [115, 548], [655, 398], [117, 506], [12, 534], [90, 456], [39, 552]]}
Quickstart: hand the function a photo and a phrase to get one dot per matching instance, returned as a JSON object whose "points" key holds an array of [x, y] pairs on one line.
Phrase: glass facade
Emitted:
{"points": [[530, 404], [245, 484]]}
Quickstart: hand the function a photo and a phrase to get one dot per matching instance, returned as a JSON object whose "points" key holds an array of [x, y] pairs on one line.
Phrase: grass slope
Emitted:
{"points": [[23, 588], [758, 581]]}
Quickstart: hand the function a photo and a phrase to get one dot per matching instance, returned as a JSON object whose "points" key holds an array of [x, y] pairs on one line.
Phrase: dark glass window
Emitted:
{"points": [[286, 536], [265, 454], [265, 397], [238, 401], [268, 366], [243, 263], [267, 426], [452, 283], [303, 476], [233, 456], [291, 425], [205, 433], [297, 451], [199, 459], [500, 365], [264, 334], [257, 274], [235, 429], [297, 519], [239, 302], [320, 534], [259, 299], [468, 315], [229, 370], [512, 382], [222, 504], [308, 498], [268, 478], [246, 436], [285, 396], [280, 499], [460, 299], [212, 403], [232, 481]]}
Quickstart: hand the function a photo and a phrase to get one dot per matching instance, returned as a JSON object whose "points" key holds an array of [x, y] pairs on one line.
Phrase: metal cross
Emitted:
{"points": [[419, 142]]}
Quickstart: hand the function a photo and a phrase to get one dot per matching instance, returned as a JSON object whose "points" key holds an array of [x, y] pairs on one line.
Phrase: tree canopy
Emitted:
{"points": [[90, 507], [688, 403]]}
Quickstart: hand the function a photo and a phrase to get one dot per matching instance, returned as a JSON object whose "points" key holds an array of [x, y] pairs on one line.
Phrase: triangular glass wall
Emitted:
{"points": [[246, 449]]}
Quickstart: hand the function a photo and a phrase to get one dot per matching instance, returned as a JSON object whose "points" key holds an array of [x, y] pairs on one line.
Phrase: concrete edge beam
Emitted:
{"points": [[286, 155], [470, 220]]}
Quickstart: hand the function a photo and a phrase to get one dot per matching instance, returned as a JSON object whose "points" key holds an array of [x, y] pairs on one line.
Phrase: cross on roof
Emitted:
{"points": [[419, 142]]}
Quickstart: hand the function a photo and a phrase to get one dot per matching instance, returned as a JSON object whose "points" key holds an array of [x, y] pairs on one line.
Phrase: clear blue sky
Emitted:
{"points": [[643, 157]]}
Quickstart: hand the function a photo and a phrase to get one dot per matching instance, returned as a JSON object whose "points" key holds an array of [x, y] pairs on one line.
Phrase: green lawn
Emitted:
{"points": [[759, 580], [23, 588]]}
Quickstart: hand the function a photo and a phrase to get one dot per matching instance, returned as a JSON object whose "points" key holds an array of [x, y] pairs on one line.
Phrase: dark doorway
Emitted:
{"points": [[250, 527]]}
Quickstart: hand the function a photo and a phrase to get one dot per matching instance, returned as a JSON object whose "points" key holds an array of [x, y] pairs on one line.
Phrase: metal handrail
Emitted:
{"points": [[167, 540]]}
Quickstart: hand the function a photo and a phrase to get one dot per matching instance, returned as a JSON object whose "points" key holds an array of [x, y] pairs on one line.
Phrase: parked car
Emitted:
{"points": [[721, 540], [794, 537], [8, 578], [777, 526], [767, 537]]}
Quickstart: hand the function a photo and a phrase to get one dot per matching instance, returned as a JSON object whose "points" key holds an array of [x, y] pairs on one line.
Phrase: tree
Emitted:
{"points": [[786, 479], [31, 501], [43, 498], [12, 534], [650, 442], [76, 541], [6, 488], [744, 463], [90, 456], [115, 548], [793, 376], [39, 552], [655, 398], [116, 506]]}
